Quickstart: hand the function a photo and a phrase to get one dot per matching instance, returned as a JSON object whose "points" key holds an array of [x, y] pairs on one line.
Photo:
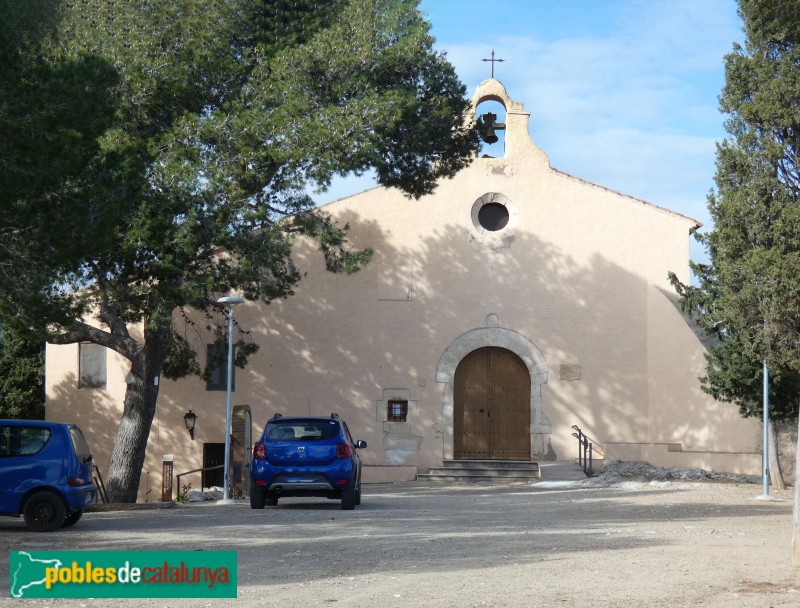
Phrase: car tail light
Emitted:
{"points": [[259, 452], [343, 450], [77, 481]]}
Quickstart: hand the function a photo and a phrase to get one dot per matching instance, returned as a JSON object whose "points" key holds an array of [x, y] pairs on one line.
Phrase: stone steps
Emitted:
{"points": [[486, 471]]}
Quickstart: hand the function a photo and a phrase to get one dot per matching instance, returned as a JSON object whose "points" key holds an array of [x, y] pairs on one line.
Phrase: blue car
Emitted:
{"points": [[306, 457], [45, 473]]}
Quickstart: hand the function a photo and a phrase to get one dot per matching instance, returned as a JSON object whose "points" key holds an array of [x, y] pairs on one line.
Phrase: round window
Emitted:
{"points": [[493, 216]]}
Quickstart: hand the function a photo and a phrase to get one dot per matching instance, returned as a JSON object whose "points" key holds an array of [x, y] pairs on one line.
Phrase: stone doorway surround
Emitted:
{"points": [[493, 335]]}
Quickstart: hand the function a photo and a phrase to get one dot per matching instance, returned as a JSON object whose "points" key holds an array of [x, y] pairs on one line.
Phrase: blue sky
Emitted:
{"points": [[623, 93]]}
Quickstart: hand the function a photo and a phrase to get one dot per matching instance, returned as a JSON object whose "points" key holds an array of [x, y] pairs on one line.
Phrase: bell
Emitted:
{"points": [[486, 127]]}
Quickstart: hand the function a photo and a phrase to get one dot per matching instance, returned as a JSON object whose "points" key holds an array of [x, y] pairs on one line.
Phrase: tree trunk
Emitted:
{"points": [[130, 446], [796, 518], [775, 472]]}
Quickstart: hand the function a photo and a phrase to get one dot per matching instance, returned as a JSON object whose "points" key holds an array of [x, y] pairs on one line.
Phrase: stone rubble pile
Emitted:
{"points": [[211, 494], [616, 471]]}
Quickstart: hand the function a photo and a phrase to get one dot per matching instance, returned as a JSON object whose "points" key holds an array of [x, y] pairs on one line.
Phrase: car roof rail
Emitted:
{"points": [[276, 415], [334, 415]]}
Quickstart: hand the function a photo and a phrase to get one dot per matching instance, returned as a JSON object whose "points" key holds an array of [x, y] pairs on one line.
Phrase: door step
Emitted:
{"points": [[482, 471]]}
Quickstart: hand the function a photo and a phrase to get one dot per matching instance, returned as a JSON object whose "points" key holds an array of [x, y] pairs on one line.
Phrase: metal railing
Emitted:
{"points": [[102, 495], [178, 477], [585, 451]]}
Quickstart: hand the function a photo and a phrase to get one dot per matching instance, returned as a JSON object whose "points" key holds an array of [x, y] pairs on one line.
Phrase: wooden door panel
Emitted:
{"points": [[472, 390], [491, 406], [510, 416]]}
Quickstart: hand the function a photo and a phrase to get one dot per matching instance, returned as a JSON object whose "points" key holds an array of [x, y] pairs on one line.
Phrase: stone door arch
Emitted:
{"points": [[506, 339]]}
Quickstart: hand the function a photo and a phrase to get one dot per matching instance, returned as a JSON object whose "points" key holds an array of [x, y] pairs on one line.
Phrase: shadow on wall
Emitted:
{"points": [[98, 417], [342, 340], [417, 299], [92, 410]]}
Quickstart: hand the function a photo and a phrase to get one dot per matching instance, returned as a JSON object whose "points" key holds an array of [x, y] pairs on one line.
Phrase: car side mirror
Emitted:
{"points": [[361, 444]]}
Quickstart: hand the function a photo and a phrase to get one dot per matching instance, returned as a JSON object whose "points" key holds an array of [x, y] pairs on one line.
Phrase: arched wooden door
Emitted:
{"points": [[492, 411]]}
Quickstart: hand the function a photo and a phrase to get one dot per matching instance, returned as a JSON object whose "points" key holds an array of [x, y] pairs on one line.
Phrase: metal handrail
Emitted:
{"points": [[585, 451], [178, 477], [101, 487]]}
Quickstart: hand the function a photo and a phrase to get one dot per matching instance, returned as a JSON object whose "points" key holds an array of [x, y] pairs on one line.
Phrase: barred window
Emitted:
{"points": [[398, 411]]}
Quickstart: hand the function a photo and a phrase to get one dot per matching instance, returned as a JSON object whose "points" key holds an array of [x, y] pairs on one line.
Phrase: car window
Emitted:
{"points": [[302, 430], [22, 440], [80, 445]]}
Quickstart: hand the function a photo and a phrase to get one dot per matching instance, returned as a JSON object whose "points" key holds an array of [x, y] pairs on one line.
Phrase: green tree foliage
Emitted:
{"points": [[735, 374], [51, 115], [226, 112], [748, 295], [21, 377]]}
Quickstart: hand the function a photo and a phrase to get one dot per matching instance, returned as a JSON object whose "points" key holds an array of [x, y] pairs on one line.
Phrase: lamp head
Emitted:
{"points": [[230, 300], [189, 419]]}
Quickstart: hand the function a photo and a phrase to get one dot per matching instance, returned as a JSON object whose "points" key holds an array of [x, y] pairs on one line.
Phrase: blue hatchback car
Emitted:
{"points": [[306, 457], [45, 473]]}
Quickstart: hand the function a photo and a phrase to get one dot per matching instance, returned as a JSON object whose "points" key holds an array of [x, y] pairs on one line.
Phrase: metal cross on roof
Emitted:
{"points": [[493, 60]]}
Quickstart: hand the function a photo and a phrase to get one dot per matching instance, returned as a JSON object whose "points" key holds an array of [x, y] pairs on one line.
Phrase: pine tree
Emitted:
{"points": [[21, 377], [226, 113], [748, 295]]}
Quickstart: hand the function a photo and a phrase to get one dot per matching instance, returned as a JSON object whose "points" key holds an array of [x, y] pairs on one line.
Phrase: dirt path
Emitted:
{"points": [[630, 544]]}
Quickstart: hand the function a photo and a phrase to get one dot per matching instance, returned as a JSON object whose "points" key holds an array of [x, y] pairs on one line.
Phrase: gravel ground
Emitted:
{"points": [[609, 541]]}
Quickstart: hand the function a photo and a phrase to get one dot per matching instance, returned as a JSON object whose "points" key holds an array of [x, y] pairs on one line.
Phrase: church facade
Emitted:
{"points": [[510, 305]]}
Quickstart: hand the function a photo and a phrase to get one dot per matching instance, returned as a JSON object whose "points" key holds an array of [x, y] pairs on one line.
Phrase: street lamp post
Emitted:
{"points": [[765, 464], [230, 302]]}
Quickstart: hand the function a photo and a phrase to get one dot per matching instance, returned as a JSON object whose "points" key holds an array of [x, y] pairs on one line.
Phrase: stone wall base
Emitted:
{"points": [[671, 455], [387, 474]]}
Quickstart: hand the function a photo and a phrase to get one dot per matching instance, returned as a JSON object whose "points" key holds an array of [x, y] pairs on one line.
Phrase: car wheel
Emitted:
{"points": [[358, 497], [349, 498], [272, 501], [72, 518], [256, 498], [44, 512]]}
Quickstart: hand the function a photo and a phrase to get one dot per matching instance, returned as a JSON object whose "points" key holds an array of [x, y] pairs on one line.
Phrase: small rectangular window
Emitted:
{"points": [[398, 411], [91, 365], [217, 369]]}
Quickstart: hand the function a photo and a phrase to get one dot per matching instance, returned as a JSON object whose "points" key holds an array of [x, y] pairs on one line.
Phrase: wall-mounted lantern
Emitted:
{"points": [[189, 418]]}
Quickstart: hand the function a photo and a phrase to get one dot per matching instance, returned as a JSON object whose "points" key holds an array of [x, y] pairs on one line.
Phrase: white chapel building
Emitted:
{"points": [[510, 305]]}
